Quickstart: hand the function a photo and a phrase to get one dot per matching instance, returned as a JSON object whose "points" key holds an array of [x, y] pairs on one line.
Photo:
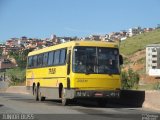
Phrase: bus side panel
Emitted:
{"points": [[49, 79]]}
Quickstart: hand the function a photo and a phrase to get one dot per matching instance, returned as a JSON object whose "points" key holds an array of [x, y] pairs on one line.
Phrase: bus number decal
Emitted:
{"points": [[52, 70]]}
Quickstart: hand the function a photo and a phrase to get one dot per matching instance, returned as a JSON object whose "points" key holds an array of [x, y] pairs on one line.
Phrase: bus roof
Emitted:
{"points": [[75, 43]]}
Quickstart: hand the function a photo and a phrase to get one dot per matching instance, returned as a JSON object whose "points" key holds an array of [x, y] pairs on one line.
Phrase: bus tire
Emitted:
{"points": [[37, 93], [64, 100]]}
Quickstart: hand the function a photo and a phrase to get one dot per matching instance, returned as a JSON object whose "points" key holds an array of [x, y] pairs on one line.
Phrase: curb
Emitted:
{"points": [[152, 100], [150, 106]]}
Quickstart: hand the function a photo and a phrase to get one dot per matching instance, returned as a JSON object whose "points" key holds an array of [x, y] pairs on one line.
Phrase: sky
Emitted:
{"points": [[42, 18]]}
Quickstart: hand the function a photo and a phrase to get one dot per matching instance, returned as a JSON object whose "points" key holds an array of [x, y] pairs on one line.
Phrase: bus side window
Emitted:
{"points": [[50, 58], [56, 57], [30, 63], [35, 61], [45, 59], [40, 59], [63, 56]]}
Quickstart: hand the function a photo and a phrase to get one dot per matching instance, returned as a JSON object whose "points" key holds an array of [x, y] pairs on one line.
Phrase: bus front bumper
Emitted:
{"points": [[72, 93], [97, 94]]}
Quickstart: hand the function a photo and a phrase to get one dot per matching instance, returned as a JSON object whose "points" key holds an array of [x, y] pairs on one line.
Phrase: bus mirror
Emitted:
{"points": [[120, 59]]}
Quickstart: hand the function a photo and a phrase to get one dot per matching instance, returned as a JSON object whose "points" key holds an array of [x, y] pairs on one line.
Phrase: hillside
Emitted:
{"points": [[133, 50], [139, 42]]}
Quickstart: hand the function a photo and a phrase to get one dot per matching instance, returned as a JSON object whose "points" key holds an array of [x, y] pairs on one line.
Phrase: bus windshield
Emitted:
{"points": [[95, 60]]}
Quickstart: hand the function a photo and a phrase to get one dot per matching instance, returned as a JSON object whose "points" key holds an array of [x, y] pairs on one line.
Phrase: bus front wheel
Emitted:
{"points": [[64, 100], [38, 95]]}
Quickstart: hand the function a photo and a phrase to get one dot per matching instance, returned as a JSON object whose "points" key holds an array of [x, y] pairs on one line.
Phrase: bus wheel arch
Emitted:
{"points": [[62, 95], [65, 101]]}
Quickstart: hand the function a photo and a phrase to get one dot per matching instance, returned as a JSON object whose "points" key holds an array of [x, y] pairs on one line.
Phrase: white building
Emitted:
{"points": [[134, 31], [152, 57], [95, 37]]}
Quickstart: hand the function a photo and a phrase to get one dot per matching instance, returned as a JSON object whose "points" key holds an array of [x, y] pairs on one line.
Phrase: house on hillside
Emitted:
{"points": [[12, 42], [95, 37], [148, 29], [6, 64], [134, 31]]}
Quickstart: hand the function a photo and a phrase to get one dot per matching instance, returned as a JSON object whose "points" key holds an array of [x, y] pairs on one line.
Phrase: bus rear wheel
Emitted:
{"points": [[64, 100], [37, 93]]}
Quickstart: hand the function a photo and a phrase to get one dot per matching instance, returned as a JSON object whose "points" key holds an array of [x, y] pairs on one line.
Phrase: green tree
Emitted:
{"points": [[20, 57], [16, 75]]}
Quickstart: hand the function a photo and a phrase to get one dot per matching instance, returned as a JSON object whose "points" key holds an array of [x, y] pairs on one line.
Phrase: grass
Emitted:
{"points": [[139, 42], [146, 87], [153, 86]]}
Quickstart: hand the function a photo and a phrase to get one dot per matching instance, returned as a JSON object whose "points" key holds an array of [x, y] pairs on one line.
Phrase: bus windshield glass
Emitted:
{"points": [[95, 60]]}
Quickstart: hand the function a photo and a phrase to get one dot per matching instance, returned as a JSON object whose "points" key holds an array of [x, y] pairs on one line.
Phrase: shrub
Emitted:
{"points": [[130, 79], [16, 75], [157, 86]]}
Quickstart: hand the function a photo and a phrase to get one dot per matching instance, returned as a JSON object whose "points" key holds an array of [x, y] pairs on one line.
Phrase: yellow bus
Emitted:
{"points": [[73, 70]]}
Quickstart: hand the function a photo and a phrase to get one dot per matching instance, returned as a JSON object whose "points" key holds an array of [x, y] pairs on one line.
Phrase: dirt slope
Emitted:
{"points": [[137, 62]]}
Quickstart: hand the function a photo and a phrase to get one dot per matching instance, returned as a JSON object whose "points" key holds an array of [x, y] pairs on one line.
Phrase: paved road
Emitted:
{"points": [[24, 104], [3, 85]]}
